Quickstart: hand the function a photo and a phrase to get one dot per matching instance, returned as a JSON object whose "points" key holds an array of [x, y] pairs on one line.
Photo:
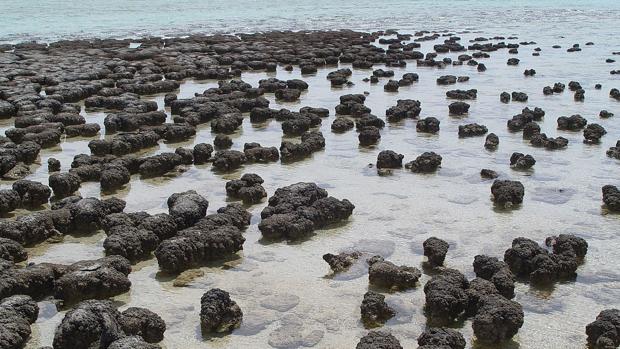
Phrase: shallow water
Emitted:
{"points": [[285, 289]]}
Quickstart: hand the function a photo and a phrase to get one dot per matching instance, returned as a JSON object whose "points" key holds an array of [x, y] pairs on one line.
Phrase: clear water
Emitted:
{"points": [[393, 214]]}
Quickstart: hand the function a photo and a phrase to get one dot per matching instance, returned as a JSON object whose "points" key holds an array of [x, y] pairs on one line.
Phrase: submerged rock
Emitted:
{"points": [[341, 261], [435, 249], [374, 310], [386, 274], [604, 332], [378, 339]]}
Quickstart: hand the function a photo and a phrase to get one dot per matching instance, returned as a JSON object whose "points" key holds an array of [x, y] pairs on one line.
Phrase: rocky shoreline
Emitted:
{"points": [[44, 90]]}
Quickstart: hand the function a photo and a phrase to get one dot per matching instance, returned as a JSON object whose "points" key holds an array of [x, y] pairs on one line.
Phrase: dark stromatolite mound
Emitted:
{"points": [[604, 332], [611, 197], [388, 275], [488, 173], [527, 259], [254, 152], [98, 279], [435, 250], [219, 313], [158, 165], [130, 242], [342, 124], [202, 153], [441, 337], [541, 140], [491, 142], [404, 109], [97, 323], [342, 261], [592, 133], [214, 237], [64, 184], [32, 194], [446, 297], [367, 121], [472, 130], [375, 311], [300, 208], [497, 272], [378, 339], [249, 188], [9, 200], [426, 163], [497, 319], [571, 123], [17, 313], [462, 94], [369, 135], [12, 251], [389, 159], [187, 208], [428, 125], [132, 342], [458, 108], [507, 192], [143, 323], [519, 96], [226, 160], [521, 161], [311, 142]]}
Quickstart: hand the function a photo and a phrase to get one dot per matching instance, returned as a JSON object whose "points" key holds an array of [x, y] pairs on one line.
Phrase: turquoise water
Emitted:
{"points": [[50, 20]]}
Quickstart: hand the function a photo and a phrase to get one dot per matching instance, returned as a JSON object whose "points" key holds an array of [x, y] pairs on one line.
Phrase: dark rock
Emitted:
{"points": [[491, 142], [342, 124], [497, 272], [592, 133], [404, 108], [428, 125], [520, 161], [375, 311], [446, 297], [202, 153], [507, 192], [488, 174], [341, 261], [248, 188], [611, 197], [435, 249], [441, 337], [386, 274], [604, 332], [378, 340], [541, 140], [311, 142], [53, 165], [143, 323], [226, 160], [425, 163], [9, 200], [12, 251], [187, 208], [222, 142], [219, 313], [572, 123], [498, 319], [458, 108], [504, 97], [389, 159], [17, 314], [64, 184]]}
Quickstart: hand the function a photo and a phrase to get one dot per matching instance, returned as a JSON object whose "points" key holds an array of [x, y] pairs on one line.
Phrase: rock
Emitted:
{"points": [[143, 323], [32, 194], [446, 80], [311, 142], [17, 314], [605, 114], [428, 125], [504, 97], [369, 135], [491, 142], [541, 140], [64, 184], [458, 108], [202, 153], [132, 342], [446, 297], [462, 94], [611, 197], [248, 188], [592, 133], [300, 208], [604, 332], [520, 161], [130, 242], [342, 124], [435, 249], [389, 159], [227, 123], [472, 130], [388, 275], [391, 86], [404, 109], [572, 123], [519, 96], [97, 279], [12, 251], [187, 208], [498, 319], [507, 192], [614, 152], [9, 200], [219, 313], [222, 142], [114, 177], [227, 160], [426, 163], [341, 261], [441, 337], [375, 311], [53, 165], [378, 339], [288, 94], [254, 152], [488, 174], [213, 237], [497, 272]]}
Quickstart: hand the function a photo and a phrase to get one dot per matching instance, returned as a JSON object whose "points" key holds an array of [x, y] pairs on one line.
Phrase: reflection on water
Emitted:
{"points": [[285, 290]]}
